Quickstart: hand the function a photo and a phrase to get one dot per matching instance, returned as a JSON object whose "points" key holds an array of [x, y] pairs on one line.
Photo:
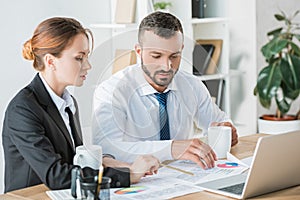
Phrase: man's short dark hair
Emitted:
{"points": [[162, 24]]}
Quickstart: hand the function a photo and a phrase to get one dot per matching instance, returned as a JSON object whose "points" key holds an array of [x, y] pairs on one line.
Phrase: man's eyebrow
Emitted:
{"points": [[156, 52], [178, 52]]}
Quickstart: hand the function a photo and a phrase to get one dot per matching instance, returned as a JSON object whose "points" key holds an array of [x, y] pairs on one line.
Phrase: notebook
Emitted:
{"points": [[275, 166]]}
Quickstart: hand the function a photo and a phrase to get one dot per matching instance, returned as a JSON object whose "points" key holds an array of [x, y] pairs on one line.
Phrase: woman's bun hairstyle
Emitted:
{"points": [[27, 50], [52, 36]]}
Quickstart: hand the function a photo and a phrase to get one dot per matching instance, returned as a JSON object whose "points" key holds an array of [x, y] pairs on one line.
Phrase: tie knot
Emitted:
{"points": [[162, 97], [68, 110]]}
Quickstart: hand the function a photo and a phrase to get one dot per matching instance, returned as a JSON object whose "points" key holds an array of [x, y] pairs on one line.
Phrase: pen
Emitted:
{"points": [[177, 169], [99, 178]]}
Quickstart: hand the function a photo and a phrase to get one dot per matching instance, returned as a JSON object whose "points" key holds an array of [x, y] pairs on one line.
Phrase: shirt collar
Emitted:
{"points": [[61, 102]]}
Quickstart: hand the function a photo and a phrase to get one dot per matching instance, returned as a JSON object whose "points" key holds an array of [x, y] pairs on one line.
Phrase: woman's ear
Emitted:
{"points": [[49, 61]]}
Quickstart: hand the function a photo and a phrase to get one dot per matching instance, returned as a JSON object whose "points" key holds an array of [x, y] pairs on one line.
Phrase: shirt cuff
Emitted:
{"points": [[120, 177], [108, 155], [163, 150]]}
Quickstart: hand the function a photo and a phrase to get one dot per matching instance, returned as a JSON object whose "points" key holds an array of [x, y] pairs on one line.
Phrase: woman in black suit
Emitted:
{"points": [[41, 127]]}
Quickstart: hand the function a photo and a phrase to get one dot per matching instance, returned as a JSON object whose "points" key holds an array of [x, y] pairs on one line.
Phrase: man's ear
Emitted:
{"points": [[49, 61], [138, 50]]}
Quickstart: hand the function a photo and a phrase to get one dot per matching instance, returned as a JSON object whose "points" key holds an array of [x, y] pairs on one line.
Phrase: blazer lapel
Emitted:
{"points": [[77, 122], [45, 99], [55, 115]]}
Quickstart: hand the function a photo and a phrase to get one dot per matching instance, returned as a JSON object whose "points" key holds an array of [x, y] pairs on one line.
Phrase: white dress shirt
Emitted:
{"points": [[126, 113], [61, 103]]}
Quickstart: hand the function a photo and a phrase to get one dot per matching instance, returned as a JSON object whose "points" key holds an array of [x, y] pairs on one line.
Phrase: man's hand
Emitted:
{"points": [[194, 150], [234, 135], [143, 165]]}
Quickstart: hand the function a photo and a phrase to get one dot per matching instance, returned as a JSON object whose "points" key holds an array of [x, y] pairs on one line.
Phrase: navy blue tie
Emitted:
{"points": [[163, 116]]}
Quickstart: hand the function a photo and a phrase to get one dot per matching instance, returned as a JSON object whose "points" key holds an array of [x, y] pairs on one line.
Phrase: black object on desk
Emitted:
{"points": [[88, 179]]}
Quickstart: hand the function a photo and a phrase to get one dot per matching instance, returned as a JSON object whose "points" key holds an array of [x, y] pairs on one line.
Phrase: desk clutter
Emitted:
{"points": [[167, 183], [92, 184], [161, 187]]}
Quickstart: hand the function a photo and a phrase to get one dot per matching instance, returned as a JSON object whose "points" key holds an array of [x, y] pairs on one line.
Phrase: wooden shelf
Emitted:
{"points": [[232, 73], [212, 77], [208, 20]]}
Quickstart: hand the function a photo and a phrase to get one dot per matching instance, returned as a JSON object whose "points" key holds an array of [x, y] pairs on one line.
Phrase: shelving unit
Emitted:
{"points": [[113, 26], [208, 20], [212, 77], [213, 26]]}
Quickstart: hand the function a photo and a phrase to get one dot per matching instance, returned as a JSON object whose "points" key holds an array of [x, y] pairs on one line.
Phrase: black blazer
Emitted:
{"points": [[37, 145]]}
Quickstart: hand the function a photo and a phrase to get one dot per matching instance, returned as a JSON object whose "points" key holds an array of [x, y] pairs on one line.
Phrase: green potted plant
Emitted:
{"points": [[162, 5], [280, 79]]}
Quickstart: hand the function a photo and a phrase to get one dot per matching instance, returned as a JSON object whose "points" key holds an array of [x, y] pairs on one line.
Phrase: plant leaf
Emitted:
{"points": [[274, 47], [297, 36], [289, 92], [268, 82], [255, 91], [290, 71], [283, 105], [295, 48], [278, 45], [287, 73], [279, 17], [296, 13], [266, 50], [296, 66], [275, 32]]}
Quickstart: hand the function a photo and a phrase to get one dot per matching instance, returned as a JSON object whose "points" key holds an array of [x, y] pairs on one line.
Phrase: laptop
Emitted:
{"points": [[275, 166]]}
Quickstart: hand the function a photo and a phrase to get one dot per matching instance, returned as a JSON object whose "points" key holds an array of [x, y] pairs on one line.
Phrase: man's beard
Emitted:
{"points": [[160, 82]]}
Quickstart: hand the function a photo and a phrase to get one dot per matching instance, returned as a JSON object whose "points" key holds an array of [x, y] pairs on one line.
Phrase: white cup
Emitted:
{"points": [[219, 139], [88, 156]]}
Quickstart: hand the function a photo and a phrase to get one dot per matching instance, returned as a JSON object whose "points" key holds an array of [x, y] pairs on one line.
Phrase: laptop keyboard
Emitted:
{"points": [[236, 189]]}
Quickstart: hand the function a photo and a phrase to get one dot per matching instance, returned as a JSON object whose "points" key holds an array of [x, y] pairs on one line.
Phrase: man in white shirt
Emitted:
{"points": [[151, 108]]}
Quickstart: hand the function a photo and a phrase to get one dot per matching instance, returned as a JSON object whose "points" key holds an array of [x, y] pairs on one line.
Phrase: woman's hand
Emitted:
{"points": [[143, 165]]}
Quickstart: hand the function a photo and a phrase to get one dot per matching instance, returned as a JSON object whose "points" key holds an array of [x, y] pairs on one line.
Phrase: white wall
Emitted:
{"points": [[242, 28], [18, 20]]}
